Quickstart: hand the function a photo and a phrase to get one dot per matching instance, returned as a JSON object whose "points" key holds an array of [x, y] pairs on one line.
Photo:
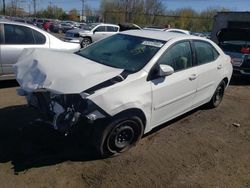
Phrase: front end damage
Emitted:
{"points": [[58, 85], [63, 111]]}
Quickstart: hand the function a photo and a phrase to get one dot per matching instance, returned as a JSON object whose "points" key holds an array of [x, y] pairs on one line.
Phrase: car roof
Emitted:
{"points": [[159, 35], [25, 24], [15, 23]]}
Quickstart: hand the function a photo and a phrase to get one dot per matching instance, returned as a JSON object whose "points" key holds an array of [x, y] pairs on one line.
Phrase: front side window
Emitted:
{"points": [[178, 56], [100, 29], [205, 52], [16, 34], [127, 52]]}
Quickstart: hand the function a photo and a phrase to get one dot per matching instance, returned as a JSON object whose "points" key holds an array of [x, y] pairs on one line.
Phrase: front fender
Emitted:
{"points": [[126, 95]]}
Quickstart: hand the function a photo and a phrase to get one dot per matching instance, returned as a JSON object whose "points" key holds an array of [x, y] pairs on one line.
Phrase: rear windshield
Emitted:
{"points": [[234, 46], [234, 40]]}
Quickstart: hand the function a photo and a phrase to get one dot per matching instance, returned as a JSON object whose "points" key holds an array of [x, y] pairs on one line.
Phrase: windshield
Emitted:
{"points": [[88, 27], [127, 52]]}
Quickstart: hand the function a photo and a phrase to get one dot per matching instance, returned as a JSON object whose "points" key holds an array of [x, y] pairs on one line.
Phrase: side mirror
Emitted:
{"points": [[165, 70]]}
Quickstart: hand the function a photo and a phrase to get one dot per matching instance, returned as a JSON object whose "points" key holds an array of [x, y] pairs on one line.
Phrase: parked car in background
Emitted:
{"points": [[91, 33], [22, 20], [124, 85], [236, 43], [182, 31], [64, 27], [14, 37], [174, 30], [40, 22], [72, 23], [154, 28], [128, 26], [46, 26]]}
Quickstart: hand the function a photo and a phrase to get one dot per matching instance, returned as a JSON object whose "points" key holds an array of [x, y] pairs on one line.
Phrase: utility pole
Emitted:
{"points": [[83, 8], [3, 7], [34, 5]]}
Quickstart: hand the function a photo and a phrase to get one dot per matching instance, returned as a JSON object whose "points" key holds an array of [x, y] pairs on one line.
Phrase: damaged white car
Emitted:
{"points": [[124, 85]]}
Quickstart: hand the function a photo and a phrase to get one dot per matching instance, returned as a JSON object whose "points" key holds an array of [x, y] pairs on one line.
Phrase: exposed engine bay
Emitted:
{"points": [[63, 111]]}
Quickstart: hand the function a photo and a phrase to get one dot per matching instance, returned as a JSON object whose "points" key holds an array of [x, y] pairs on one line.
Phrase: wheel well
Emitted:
{"points": [[225, 80], [133, 112], [87, 38]]}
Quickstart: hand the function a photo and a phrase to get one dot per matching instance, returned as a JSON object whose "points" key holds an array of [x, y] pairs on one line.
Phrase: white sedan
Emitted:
{"points": [[16, 36], [125, 85]]}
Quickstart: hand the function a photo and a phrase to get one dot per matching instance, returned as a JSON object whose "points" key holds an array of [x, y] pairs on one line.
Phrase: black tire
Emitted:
{"points": [[85, 42], [118, 136], [218, 95]]}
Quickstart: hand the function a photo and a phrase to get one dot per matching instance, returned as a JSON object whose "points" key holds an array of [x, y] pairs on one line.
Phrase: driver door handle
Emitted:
{"points": [[219, 66], [193, 77]]}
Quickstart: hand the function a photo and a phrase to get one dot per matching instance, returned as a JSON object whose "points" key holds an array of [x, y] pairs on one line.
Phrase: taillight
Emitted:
{"points": [[245, 50]]}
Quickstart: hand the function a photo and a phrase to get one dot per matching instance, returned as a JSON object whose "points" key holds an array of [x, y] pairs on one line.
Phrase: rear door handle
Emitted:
{"points": [[193, 77], [219, 66]]}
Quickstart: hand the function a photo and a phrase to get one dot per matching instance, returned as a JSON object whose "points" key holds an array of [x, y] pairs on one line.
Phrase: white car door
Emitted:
{"points": [[16, 38], [99, 33], [208, 69], [111, 30], [174, 94]]}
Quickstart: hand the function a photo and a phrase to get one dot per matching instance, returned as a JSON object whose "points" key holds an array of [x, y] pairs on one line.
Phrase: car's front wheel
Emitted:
{"points": [[85, 42], [218, 95], [118, 136]]}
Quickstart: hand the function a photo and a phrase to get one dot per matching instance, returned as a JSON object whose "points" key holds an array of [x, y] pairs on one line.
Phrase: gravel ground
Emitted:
{"points": [[200, 149]]}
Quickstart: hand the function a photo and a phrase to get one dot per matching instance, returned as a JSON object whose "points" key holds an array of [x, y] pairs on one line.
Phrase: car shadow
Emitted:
{"points": [[28, 145], [179, 118], [240, 81]]}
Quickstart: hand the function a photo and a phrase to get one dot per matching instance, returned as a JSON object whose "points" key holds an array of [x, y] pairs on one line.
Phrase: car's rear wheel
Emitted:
{"points": [[118, 136], [85, 42], [218, 95]]}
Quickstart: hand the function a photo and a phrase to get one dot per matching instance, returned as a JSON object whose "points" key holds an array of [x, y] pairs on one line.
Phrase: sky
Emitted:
{"points": [[198, 5]]}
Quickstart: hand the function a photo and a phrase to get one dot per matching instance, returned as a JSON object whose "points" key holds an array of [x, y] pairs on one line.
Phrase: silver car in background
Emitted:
{"points": [[90, 33], [14, 37]]}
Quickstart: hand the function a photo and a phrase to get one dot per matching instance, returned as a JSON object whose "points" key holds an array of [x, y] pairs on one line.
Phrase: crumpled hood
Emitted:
{"points": [[59, 72]]}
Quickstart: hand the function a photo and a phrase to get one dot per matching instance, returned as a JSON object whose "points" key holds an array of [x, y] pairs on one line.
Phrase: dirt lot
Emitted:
{"points": [[200, 149]]}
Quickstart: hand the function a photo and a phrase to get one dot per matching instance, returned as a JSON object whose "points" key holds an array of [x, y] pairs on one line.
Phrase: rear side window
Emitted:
{"points": [[112, 29], [178, 56], [15, 34], [39, 37], [205, 52]]}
